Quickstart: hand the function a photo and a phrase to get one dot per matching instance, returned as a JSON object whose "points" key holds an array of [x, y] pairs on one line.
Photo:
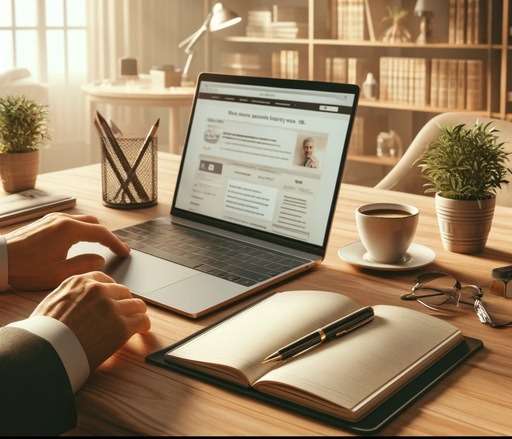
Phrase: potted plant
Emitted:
{"points": [[465, 166], [23, 129]]}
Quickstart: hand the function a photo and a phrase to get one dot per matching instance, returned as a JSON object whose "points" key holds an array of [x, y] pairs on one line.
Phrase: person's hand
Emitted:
{"points": [[102, 314], [37, 252]]}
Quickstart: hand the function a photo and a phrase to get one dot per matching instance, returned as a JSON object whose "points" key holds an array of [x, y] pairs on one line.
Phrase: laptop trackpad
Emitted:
{"points": [[140, 272]]}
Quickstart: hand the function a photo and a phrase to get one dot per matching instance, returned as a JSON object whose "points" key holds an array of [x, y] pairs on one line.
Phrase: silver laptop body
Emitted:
{"points": [[258, 184]]}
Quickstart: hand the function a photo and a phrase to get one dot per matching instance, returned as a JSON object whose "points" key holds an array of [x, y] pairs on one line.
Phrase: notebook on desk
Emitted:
{"points": [[343, 381]]}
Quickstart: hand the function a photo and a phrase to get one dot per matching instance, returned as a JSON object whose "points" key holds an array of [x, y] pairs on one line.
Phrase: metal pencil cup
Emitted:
{"points": [[122, 186]]}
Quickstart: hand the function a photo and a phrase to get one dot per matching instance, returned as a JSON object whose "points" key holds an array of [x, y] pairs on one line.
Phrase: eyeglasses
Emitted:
{"points": [[439, 291]]}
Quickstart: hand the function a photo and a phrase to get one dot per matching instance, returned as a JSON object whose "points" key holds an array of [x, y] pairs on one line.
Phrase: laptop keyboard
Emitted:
{"points": [[238, 262]]}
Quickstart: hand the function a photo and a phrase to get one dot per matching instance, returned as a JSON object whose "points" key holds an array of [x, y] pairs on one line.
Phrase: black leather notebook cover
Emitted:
{"points": [[375, 420]]}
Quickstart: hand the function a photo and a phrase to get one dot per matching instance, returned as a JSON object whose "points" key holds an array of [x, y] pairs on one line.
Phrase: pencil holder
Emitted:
{"points": [[129, 172]]}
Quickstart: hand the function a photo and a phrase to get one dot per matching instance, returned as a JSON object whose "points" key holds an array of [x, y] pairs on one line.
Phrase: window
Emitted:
{"points": [[48, 37]]}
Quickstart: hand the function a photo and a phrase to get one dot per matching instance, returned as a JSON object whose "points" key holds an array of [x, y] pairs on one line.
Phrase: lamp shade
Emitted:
{"points": [[424, 6], [222, 18]]}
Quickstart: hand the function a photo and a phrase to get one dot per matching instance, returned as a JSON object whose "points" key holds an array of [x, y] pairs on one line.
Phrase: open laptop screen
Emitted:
{"points": [[267, 158]]}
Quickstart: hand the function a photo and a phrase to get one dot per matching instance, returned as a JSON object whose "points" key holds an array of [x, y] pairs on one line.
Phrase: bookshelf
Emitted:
{"points": [[491, 44]]}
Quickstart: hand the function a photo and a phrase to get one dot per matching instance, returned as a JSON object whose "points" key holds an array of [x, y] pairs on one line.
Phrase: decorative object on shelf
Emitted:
{"points": [[397, 33], [128, 68], [219, 18], [389, 144], [165, 76], [465, 166], [370, 87], [23, 130], [424, 9], [128, 167]]}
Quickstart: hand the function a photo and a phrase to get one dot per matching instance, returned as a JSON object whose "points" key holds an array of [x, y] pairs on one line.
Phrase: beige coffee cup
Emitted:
{"points": [[386, 236]]}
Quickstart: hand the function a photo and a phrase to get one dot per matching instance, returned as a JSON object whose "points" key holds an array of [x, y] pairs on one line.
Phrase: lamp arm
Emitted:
{"points": [[195, 37]]}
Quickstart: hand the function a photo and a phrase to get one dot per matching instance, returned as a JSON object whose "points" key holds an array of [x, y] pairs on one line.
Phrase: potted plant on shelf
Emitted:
{"points": [[23, 129], [465, 166]]}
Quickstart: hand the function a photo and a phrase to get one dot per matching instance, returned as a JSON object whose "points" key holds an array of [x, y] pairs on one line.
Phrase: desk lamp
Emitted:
{"points": [[424, 9], [219, 18]]}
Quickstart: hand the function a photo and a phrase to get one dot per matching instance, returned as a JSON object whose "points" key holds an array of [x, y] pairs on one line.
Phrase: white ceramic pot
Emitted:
{"points": [[18, 171], [464, 224]]}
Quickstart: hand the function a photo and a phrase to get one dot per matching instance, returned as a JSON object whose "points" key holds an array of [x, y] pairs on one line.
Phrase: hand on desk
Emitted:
{"points": [[102, 314], [37, 253]]}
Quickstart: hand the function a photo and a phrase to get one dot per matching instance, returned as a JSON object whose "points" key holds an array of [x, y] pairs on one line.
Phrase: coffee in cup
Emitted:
{"points": [[386, 230]]}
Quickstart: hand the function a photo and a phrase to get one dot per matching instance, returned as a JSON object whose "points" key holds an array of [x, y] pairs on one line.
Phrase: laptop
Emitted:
{"points": [[255, 194]]}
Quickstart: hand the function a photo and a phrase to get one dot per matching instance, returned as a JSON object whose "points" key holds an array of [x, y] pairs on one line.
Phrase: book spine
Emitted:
{"points": [[328, 69], [474, 78], [411, 86], [461, 22], [343, 70], [443, 83], [341, 19], [470, 21], [282, 67], [296, 61], [434, 84], [452, 83], [461, 84], [424, 64], [452, 21], [383, 80], [360, 20], [477, 31], [333, 18], [275, 65], [352, 71]]}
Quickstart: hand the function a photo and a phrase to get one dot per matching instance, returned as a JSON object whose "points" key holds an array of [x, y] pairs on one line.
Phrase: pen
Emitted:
{"points": [[322, 335]]}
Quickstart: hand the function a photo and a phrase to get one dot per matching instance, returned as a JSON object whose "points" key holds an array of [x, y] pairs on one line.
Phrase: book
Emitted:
{"points": [[357, 137], [474, 84], [30, 204], [452, 21], [460, 28], [443, 83], [356, 71], [384, 79], [461, 84], [452, 83], [346, 378], [470, 22], [434, 84]]}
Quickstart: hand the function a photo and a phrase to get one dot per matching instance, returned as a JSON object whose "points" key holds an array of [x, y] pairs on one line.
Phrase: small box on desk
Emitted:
{"points": [[165, 76]]}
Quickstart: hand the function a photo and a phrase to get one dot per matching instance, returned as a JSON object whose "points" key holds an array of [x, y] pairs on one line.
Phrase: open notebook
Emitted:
{"points": [[346, 378]]}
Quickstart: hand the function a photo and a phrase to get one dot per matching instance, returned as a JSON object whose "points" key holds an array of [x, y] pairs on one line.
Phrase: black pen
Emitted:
{"points": [[322, 335]]}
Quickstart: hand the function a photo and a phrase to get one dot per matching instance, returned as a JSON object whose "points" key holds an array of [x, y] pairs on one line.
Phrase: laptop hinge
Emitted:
{"points": [[243, 238]]}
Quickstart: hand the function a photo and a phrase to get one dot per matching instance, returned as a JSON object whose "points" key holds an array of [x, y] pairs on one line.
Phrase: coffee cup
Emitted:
{"points": [[386, 230]]}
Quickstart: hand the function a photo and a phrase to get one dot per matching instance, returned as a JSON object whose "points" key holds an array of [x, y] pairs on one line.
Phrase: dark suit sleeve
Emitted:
{"points": [[35, 392]]}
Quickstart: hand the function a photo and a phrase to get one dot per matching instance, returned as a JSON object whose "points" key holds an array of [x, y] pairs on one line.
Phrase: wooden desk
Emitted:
{"points": [[128, 396], [173, 98]]}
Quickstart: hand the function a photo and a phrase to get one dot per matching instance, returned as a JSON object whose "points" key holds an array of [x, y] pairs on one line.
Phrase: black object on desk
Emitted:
{"points": [[327, 333]]}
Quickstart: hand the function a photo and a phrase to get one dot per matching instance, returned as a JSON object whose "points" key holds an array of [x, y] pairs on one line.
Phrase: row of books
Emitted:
{"points": [[280, 22], [457, 84], [347, 19], [403, 80], [465, 22], [440, 83], [285, 64], [351, 70]]}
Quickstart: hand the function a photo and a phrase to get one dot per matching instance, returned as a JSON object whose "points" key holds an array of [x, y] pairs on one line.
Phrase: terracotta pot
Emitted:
{"points": [[18, 171], [464, 224]]}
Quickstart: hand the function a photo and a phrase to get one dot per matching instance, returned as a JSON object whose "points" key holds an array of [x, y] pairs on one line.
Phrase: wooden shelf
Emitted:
{"points": [[333, 42], [374, 160], [267, 40], [412, 107]]}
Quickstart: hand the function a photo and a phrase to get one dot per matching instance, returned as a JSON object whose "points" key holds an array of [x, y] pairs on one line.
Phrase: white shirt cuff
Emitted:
{"points": [[64, 342], [4, 265]]}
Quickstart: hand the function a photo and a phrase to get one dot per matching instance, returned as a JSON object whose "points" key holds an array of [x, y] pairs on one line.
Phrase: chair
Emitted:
{"points": [[406, 174]]}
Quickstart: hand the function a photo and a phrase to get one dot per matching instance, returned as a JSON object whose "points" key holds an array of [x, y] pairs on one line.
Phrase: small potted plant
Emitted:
{"points": [[465, 166], [23, 129]]}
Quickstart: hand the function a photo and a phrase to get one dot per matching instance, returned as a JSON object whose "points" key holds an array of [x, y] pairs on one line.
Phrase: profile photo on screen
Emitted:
{"points": [[309, 150]]}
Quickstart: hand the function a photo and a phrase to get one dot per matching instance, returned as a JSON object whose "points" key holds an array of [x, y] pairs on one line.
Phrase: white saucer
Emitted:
{"points": [[417, 256]]}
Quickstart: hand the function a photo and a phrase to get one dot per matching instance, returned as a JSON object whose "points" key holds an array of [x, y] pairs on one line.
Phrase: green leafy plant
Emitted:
{"points": [[466, 162], [23, 125]]}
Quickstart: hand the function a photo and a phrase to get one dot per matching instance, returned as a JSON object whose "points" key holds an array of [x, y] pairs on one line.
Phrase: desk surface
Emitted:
{"points": [[128, 396], [138, 91]]}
